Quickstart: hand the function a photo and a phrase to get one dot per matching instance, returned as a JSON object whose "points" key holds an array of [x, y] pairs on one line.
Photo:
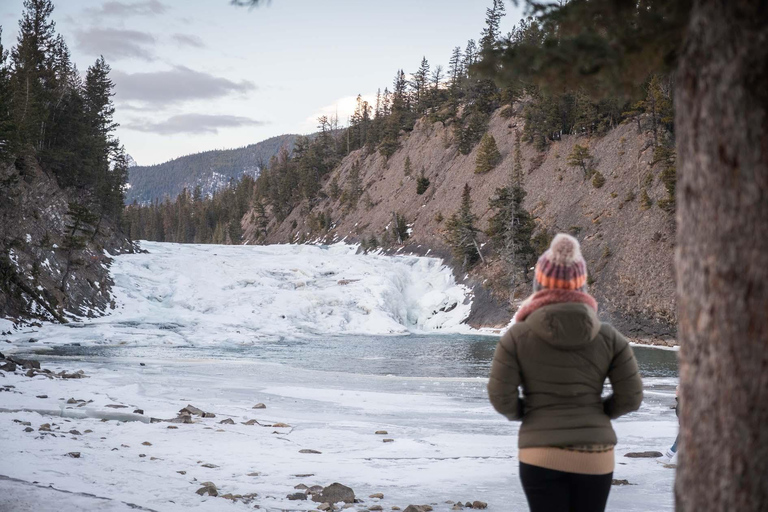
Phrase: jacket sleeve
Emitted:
{"points": [[625, 380], [505, 379]]}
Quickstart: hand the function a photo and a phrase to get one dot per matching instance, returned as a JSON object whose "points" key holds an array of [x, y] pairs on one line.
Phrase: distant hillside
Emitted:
{"points": [[211, 170]]}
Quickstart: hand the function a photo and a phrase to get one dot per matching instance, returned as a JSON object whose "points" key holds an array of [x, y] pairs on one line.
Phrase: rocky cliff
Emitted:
{"points": [[628, 242], [45, 273]]}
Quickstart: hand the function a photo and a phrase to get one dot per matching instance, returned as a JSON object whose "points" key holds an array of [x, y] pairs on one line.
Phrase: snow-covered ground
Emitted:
{"points": [[161, 351]]}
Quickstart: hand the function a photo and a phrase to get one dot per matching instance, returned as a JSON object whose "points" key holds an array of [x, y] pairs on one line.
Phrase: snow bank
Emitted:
{"points": [[183, 294]]}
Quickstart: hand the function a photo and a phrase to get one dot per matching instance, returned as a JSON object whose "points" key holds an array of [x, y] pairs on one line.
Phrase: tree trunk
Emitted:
{"points": [[722, 257]]}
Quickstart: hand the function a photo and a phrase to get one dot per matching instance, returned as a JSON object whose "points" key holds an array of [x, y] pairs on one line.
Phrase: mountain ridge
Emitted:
{"points": [[210, 170]]}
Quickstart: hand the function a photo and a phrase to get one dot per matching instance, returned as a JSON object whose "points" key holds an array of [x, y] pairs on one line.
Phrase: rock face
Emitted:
{"points": [[34, 281], [335, 493], [629, 250]]}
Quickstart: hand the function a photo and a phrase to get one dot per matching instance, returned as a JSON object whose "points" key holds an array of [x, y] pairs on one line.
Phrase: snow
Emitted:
{"points": [[5, 325], [449, 444], [202, 325]]}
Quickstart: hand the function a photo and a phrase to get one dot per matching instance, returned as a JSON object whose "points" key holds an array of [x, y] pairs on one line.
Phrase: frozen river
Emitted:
{"points": [[162, 351]]}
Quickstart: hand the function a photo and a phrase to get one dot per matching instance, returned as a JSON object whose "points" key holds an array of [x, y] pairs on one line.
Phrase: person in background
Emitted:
{"points": [[560, 354], [670, 457]]}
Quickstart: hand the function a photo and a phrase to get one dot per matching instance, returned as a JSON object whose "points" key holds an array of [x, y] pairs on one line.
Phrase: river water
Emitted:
{"points": [[416, 355]]}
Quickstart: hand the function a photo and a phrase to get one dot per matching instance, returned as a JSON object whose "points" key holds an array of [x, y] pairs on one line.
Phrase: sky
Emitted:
{"points": [[195, 75]]}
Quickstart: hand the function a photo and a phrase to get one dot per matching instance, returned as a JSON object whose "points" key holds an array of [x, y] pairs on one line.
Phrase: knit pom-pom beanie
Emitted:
{"points": [[561, 266]]}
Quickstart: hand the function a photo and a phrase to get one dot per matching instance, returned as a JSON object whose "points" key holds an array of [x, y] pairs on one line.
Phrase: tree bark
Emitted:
{"points": [[722, 257]]}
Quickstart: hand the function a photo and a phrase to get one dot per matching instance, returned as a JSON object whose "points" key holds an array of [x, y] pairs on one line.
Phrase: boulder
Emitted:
{"points": [[74, 455], [181, 418], [191, 409], [620, 482], [309, 451], [335, 493], [297, 496], [382, 432], [481, 505], [228, 421], [280, 425], [208, 488], [259, 406], [377, 495]]}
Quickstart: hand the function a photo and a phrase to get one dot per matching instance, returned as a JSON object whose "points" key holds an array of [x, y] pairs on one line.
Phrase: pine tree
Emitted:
{"points": [[581, 157], [33, 80], [470, 57], [510, 230], [455, 72], [79, 229], [420, 84], [407, 166], [488, 155], [517, 170], [354, 188], [460, 233], [422, 183], [7, 128], [491, 32]]}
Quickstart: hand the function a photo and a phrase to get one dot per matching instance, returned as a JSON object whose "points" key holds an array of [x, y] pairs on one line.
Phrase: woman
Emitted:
{"points": [[560, 354]]}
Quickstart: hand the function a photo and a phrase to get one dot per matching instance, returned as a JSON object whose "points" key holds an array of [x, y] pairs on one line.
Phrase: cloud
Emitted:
{"points": [[193, 124], [174, 86], [188, 40], [124, 9], [343, 107], [116, 44]]}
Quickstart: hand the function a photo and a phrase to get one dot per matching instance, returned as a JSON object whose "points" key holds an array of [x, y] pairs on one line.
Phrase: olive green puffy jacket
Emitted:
{"points": [[561, 355]]}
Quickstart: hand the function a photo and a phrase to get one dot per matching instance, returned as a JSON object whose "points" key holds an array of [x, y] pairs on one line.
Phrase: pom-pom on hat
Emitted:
{"points": [[561, 266]]}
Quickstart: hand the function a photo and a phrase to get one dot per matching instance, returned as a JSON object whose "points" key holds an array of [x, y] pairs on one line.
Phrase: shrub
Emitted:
{"points": [[598, 180], [645, 200], [422, 183]]}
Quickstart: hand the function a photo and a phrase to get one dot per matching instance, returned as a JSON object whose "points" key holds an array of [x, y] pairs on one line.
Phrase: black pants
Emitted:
{"points": [[548, 490]]}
